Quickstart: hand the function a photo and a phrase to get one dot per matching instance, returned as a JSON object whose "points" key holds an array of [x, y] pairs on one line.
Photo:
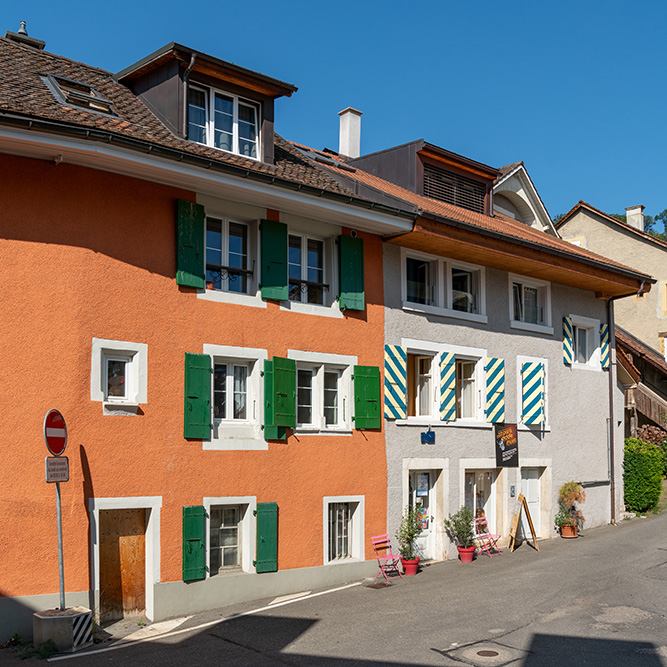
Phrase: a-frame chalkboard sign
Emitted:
{"points": [[521, 504]]}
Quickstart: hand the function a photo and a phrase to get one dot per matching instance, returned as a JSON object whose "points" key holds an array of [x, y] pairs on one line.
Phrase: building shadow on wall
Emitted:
{"points": [[87, 495]]}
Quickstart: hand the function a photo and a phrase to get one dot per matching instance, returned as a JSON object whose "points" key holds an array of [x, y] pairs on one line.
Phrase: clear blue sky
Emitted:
{"points": [[574, 89]]}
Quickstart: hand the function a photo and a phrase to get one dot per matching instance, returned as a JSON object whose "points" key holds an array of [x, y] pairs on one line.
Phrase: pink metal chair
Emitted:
{"points": [[387, 560], [487, 540]]}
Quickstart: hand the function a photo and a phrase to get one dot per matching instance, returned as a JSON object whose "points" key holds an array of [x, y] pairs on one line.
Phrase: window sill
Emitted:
{"points": [[312, 309], [222, 150], [344, 561], [228, 572], [305, 430], [445, 312], [220, 296], [234, 444], [459, 423], [117, 408], [586, 367], [539, 428], [535, 328]]}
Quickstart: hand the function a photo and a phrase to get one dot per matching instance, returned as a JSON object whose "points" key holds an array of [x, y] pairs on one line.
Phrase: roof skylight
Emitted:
{"points": [[78, 94]]}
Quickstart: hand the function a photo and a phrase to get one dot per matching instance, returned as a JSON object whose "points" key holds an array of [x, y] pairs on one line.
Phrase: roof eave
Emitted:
{"points": [[527, 258]]}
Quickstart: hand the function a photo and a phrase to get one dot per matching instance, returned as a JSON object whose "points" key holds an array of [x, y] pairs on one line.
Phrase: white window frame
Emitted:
{"points": [[357, 529], [237, 434], [309, 229], [304, 238], [251, 281], [247, 524], [248, 216], [592, 325], [546, 327], [443, 297], [520, 360], [319, 363], [136, 374], [229, 390], [461, 353], [210, 120]]}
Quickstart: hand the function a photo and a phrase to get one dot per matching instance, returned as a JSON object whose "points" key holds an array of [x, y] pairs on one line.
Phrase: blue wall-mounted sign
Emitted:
{"points": [[428, 437]]}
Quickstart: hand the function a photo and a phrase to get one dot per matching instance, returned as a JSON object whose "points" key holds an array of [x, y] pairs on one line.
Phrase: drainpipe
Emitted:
{"points": [[186, 77], [612, 375]]}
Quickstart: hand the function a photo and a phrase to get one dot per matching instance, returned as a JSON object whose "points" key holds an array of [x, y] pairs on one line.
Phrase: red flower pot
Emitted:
{"points": [[569, 531], [466, 554], [410, 565]]}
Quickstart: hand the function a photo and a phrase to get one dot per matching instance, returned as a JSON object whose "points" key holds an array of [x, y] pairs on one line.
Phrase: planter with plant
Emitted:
{"points": [[569, 516], [408, 531], [460, 529]]}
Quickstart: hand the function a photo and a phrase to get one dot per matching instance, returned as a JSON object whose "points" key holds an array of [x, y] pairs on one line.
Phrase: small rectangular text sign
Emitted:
{"points": [[57, 469]]}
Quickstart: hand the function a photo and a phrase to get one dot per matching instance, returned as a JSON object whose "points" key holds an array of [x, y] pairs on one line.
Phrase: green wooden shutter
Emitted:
{"points": [[351, 273], [271, 431], [274, 284], [197, 417], [279, 397], [267, 538], [194, 543], [190, 244], [367, 412]]}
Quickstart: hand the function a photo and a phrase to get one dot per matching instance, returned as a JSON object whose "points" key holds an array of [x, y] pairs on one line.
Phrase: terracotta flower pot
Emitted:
{"points": [[410, 565], [466, 554], [569, 531]]}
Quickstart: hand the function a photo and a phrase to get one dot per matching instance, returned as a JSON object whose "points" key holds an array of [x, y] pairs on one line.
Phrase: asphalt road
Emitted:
{"points": [[597, 600]]}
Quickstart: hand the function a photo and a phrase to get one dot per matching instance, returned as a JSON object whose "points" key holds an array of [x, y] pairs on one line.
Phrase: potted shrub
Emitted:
{"points": [[569, 516], [408, 531], [460, 529]]}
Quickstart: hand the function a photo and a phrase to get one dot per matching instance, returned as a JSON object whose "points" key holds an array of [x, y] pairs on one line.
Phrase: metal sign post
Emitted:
{"points": [[61, 571], [57, 470]]}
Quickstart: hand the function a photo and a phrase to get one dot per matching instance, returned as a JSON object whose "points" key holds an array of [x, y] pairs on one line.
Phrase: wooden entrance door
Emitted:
{"points": [[122, 563]]}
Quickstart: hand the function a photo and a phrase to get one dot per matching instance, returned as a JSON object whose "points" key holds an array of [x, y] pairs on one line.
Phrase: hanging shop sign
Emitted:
{"points": [[507, 446]]}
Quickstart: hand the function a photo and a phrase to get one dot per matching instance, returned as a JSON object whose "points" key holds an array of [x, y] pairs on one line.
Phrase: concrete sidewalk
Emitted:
{"points": [[597, 600]]}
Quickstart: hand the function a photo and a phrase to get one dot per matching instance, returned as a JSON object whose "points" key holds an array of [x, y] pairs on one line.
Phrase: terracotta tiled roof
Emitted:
{"points": [[499, 224], [623, 225], [24, 93], [639, 348]]}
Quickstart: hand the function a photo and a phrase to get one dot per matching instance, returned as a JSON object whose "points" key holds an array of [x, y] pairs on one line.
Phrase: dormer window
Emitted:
{"points": [[223, 121], [77, 93], [454, 188]]}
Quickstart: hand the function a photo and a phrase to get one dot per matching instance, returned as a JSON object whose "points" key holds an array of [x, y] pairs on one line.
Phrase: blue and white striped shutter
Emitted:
{"points": [[495, 390], [448, 387], [604, 345], [568, 338], [532, 392], [395, 382]]}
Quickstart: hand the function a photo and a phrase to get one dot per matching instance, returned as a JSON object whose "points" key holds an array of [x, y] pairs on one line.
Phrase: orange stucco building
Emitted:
{"points": [[281, 490]]}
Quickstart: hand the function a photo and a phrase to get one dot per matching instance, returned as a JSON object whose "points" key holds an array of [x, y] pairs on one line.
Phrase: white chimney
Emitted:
{"points": [[635, 216], [349, 142]]}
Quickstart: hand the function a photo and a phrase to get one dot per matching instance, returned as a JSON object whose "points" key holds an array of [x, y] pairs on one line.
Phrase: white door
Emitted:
{"points": [[530, 487], [422, 497]]}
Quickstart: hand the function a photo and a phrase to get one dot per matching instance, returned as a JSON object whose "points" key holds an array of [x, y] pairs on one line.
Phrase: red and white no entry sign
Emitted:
{"points": [[55, 432]]}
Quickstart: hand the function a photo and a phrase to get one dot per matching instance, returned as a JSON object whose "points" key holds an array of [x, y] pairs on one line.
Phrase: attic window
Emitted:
{"points": [[453, 188], [79, 94]]}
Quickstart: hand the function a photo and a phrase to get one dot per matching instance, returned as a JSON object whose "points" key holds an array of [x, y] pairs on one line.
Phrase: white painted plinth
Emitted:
{"points": [[70, 629]]}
